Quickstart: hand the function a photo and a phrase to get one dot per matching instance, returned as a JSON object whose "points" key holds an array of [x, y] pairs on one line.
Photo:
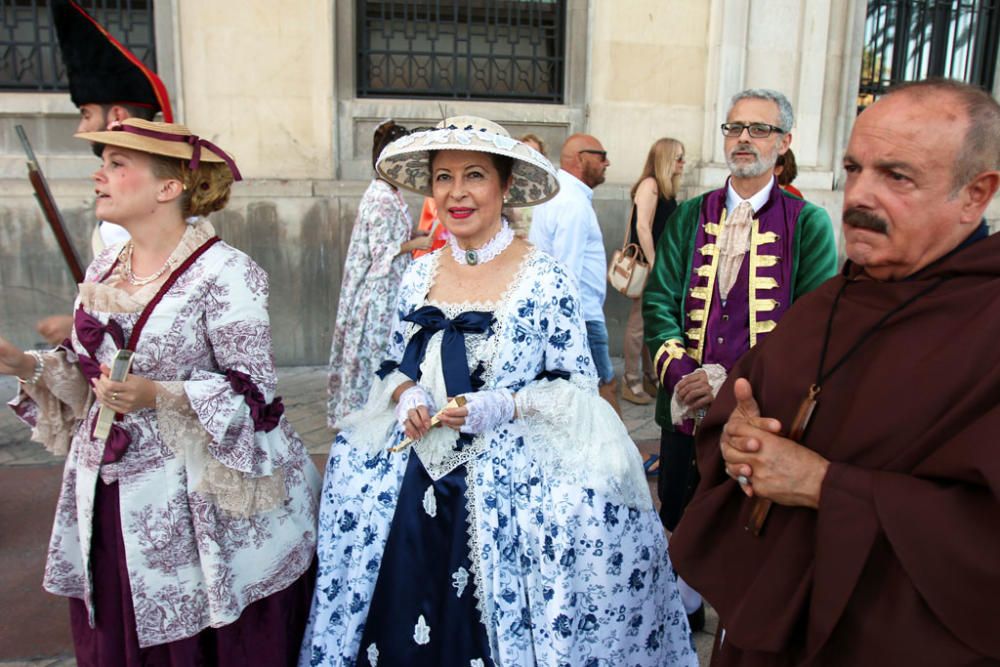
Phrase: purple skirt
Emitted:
{"points": [[268, 632]]}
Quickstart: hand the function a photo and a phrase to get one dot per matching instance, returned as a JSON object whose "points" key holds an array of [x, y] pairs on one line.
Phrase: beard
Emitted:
{"points": [[759, 167], [861, 219]]}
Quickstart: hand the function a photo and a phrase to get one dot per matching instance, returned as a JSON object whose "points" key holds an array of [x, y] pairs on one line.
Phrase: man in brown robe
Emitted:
{"points": [[883, 542]]}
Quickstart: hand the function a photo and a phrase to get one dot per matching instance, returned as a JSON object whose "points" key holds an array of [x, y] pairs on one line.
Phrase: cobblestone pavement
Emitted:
{"points": [[303, 390]]}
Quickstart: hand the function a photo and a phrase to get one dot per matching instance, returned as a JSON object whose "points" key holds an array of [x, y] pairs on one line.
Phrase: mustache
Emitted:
{"points": [[861, 219], [744, 148]]}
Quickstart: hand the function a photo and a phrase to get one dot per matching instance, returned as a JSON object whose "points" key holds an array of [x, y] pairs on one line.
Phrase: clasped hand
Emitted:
{"points": [[775, 467], [135, 393]]}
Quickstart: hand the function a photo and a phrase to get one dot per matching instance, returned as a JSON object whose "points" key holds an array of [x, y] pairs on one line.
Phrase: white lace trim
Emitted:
{"points": [[63, 398], [373, 654], [484, 604], [578, 434], [231, 490], [716, 378], [104, 297]]}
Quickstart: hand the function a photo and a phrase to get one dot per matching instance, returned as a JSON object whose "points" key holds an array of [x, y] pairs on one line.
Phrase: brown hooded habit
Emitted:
{"points": [[901, 562]]}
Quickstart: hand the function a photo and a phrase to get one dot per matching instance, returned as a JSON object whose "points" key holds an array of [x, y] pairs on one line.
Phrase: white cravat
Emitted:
{"points": [[734, 242]]}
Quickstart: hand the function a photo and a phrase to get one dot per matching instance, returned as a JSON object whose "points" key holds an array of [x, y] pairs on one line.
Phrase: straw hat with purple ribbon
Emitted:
{"points": [[169, 139]]}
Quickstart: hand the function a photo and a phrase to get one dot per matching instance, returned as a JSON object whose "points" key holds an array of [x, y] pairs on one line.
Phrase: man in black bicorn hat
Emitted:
{"points": [[108, 83]]}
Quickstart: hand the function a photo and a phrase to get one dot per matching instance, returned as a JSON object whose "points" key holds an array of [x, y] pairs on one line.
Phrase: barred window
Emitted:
{"points": [[463, 49], [908, 40], [29, 50]]}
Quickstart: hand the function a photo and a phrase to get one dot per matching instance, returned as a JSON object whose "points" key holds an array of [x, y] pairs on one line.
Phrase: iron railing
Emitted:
{"points": [[462, 49], [29, 51], [908, 40]]}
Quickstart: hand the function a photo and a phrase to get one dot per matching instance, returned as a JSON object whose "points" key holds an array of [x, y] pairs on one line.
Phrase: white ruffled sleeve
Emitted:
{"points": [[235, 404], [564, 417], [54, 406]]}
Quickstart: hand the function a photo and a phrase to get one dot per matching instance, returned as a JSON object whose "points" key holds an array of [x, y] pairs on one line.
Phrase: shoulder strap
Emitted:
{"points": [[628, 227], [167, 284]]}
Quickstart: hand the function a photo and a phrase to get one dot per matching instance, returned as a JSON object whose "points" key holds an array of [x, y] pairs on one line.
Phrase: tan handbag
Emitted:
{"points": [[629, 270]]}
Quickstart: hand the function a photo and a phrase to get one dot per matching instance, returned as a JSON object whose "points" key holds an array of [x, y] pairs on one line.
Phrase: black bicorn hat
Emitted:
{"points": [[99, 67]]}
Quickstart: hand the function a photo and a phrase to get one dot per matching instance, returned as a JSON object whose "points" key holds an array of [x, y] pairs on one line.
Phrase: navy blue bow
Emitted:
{"points": [[454, 362]]}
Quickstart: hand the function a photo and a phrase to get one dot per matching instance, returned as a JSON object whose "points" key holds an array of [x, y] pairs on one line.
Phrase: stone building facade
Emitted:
{"points": [[279, 89]]}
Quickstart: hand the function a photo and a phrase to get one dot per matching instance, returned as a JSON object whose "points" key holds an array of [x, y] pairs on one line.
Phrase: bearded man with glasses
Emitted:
{"points": [[728, 266]]}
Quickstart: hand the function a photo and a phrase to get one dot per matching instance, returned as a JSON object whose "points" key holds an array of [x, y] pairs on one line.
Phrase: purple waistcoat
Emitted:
{"points": [[720, 334]]}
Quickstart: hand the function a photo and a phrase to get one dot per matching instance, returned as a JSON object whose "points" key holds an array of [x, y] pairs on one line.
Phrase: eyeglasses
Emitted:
{"points": [[756, 130], [603, 154], [680, 158]]}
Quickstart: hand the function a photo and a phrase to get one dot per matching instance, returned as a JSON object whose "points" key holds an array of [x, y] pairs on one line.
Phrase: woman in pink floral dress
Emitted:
{"points": [[376, 260], [186, 536]]}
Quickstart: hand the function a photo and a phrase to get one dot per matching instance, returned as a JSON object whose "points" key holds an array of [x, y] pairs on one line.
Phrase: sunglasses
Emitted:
{"points": [[602, 154]]}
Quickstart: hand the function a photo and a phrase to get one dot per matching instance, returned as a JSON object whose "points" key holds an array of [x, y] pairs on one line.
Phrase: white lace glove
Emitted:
{"points": [[487, 409], [411, 399]]}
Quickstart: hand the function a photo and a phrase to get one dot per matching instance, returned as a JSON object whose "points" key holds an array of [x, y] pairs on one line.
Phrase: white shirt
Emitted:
{"points": [[757, 199], [566, 227]]}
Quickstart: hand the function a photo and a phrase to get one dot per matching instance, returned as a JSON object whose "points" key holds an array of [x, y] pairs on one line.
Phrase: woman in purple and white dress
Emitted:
{"points": [[187, 536]]}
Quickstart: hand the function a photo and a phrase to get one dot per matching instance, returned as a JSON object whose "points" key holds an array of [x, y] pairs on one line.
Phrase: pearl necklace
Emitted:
{"points": [[491, 250], [135, 280]]}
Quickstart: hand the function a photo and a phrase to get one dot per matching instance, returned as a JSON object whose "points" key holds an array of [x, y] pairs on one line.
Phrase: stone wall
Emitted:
{"points": [[297, 230]]}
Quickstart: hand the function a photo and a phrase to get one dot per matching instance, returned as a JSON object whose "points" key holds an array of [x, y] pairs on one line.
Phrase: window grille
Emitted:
{"points": [[908, 40], [29, 50], [462, 49]]}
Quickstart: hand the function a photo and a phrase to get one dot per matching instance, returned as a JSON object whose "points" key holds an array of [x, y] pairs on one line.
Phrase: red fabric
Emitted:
{"points": [[793, 190], [267, 633], [900, 563], [428, 215]]}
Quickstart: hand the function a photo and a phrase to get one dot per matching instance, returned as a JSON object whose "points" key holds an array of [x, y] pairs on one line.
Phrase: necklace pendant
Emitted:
{"points": [[471, 258]]}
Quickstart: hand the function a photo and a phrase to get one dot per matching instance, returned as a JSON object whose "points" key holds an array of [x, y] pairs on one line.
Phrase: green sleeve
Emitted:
{"points": [[815, 251], [663, 298]]}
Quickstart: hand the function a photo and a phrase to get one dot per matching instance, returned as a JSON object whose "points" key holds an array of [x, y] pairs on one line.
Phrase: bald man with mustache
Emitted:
{"points": [[850, 484]]}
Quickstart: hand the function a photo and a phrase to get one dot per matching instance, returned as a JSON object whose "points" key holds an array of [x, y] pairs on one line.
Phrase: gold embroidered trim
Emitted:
{"points": [[766, 305], [766, 237], [705, 293], [694, 334], [697, 315], [762, 282], [673, 349], [705, 270], [701, 293], [713, 228], [767, 260], [764, 326]]}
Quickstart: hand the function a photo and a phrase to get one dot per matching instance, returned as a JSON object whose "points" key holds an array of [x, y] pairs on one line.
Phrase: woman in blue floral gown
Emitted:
{"points": [[522, 531]]}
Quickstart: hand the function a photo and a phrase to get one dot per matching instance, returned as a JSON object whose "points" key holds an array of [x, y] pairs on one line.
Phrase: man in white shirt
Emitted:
{"points": [[566, 227]]}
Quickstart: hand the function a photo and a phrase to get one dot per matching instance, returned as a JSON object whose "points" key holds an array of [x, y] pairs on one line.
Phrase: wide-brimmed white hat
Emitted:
{"points": [[406, 162]]}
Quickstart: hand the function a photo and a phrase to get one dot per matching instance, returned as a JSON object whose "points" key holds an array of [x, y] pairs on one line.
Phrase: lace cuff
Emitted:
{"points": [[716, 378], [578, 433], [372, 426], [55, 404], [231, 490]]}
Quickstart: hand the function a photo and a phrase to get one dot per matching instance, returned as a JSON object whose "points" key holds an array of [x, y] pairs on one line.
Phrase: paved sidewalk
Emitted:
{"points": [[37, 633]]}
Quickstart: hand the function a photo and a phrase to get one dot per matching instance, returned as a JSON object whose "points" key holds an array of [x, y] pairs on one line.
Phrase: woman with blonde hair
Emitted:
{"points": [[654, 195], [186, 524]]}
